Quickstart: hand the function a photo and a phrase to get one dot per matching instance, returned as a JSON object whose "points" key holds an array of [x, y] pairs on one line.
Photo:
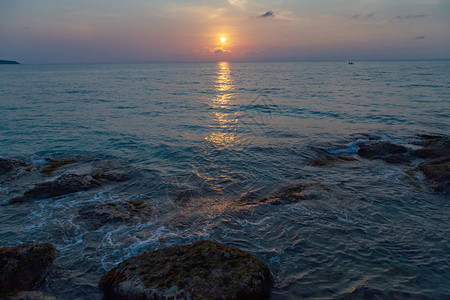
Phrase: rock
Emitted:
{"points": [[328, 159], [7, 165], [364, 292], [436, 164], [49, 167], [184, 197], [31, 295], [24, 267], [437, 171], [201, 270], [110, 176], [63, 185], [389, 152], [434, 147], [286, 195], [98, 215]]}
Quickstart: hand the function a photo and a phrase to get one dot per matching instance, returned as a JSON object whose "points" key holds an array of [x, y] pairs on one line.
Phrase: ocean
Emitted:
{"points": [[205, 143]]}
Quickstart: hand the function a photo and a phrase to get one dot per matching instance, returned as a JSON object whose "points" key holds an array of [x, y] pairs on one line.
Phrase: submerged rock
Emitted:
{"points": [[31, 295], [201, 270], [389, 152], [365, 292], [8, 165], [63, 185], [328, 159], [110, 176], [48, 167], [24, 267], [286, 195], [98, 215]]}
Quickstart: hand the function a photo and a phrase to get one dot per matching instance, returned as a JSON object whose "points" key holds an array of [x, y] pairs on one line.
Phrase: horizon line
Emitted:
{"points": [[233, 61]]}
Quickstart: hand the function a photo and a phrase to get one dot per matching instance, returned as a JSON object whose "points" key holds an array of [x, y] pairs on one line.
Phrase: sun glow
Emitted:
{"points": [[223, 39]]}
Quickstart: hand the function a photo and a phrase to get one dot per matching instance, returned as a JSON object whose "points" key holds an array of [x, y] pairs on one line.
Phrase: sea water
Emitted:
{"points": [[223, 132]]}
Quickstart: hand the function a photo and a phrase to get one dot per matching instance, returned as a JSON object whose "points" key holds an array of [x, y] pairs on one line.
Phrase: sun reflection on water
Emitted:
{"points": [[226, 121]]}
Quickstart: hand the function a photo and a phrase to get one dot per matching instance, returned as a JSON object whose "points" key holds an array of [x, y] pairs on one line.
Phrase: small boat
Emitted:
{"points": [[350, 63]]}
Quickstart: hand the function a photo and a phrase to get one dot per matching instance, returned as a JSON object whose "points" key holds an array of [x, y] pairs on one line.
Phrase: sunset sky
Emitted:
{"points": [[85, 31]]}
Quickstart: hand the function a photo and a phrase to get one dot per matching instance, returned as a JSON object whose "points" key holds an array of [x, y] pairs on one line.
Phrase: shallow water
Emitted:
{"points": [[223, 132]]}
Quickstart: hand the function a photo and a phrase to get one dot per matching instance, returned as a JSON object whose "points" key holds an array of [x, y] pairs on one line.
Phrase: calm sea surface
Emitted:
{"points": [[220, 132]]}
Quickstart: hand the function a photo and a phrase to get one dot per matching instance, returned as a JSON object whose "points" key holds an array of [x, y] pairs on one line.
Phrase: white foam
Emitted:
{"points": [[35, 160], [351, 147]]}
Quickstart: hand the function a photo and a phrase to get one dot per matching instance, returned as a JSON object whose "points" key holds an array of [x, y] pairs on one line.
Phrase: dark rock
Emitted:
{"points": [[184, 197], [24, 267], [63, 185], [389, 152], [110, 176], [286, 195], [31, 295], [436, 164], [363, 292], [434, 147], [437, 171], [7, 165], [328, 159], [98, 215], [201, 270]]}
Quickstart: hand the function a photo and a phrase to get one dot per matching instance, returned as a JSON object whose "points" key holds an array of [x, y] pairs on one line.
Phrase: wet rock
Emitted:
{"points": [[389, 152], [110, 176], [286, 195], [24, 267], [436, 164], [363, 292], [434, 147], [98, 215], [31, 295], [328, 159], [63, 185], [8, 165], [201, 270], [184, 197], [48, 167], [437, 171]]}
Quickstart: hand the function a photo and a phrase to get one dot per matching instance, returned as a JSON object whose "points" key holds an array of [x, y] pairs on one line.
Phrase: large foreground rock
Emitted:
{"points": [[201, 270], [24, 267]]}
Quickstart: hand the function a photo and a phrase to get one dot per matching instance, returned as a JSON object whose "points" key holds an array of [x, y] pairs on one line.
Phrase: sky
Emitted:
{"points": [[118, 31]]}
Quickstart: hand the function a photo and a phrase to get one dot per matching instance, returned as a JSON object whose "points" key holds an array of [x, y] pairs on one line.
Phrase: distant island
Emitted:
{"points": [[9, 62]]}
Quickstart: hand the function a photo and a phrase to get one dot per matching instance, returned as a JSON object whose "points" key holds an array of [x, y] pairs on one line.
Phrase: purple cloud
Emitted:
{"points": [[267, 14]]}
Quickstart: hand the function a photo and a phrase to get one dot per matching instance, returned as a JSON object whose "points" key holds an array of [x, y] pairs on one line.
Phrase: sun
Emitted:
{"points": [[223, 39]]}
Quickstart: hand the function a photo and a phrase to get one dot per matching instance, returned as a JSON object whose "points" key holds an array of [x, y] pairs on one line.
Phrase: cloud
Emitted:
{"points": [[358, 16], [409, 17], [421, 37], [238, 3], [267, 14], [221, 51]]}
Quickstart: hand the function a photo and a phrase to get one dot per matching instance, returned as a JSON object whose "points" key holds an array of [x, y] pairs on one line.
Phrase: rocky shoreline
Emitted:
{"points": [[200, 270]]}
